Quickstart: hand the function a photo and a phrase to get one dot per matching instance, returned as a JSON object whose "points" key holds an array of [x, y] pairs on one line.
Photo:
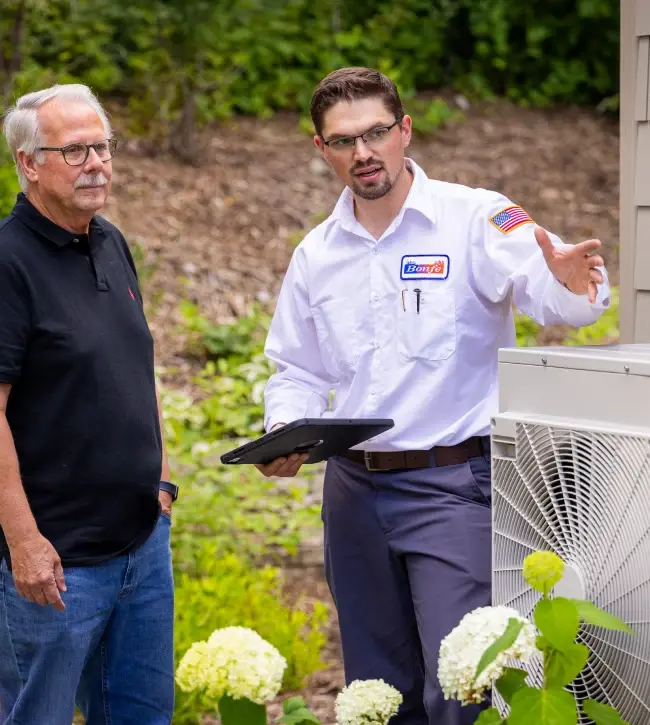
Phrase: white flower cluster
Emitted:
{"points": [[234, 661], [464, 646], [367, 702]]}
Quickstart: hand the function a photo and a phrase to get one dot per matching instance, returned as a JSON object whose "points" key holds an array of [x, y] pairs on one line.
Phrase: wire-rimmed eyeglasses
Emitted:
{"points": [[373, 138], [75, 154]]}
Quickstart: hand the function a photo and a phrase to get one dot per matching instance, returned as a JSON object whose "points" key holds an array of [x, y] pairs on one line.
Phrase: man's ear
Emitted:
{"points": [[407, 130], [320, 145], [27, 164]]}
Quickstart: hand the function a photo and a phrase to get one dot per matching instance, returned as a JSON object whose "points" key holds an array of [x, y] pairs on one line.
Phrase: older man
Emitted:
{"points": [[86, 593]]}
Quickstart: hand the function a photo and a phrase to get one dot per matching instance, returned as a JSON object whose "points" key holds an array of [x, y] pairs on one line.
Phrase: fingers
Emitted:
{"points": [[544, 241], [59, 578], [596, 260], [284, 467], [44, 593], [38, 596], [595, 275], [588, 247], [593, 292], [52, 596]]}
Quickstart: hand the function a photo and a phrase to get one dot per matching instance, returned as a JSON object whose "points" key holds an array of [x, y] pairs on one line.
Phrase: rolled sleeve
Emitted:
{"points": [[512, 263], [15, 321]]}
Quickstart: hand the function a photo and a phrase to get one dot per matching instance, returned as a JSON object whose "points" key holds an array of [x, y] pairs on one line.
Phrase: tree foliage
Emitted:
{"points": [[179, 63]]}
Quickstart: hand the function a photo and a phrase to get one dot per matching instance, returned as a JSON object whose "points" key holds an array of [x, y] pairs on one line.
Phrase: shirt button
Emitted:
{"points": [[375, 251], [75, 240], [373, 392], [376, 344], [375, 296]]}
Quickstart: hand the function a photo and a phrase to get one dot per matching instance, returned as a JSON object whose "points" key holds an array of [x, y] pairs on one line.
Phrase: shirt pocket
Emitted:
{"points": [[338, 331], [431, 334]]}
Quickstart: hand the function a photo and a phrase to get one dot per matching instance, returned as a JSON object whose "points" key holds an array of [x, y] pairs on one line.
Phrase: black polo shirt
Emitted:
{"points": [[76, 348]]}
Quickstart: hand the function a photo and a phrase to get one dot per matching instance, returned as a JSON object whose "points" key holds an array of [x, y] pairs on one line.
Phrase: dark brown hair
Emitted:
{"points": [[352, 84]]}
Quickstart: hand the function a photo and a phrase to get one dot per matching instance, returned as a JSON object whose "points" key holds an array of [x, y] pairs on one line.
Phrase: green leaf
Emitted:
{"points": [[558, 620], [543, 707], [592, 614], [292, 704], [296, 712], [561, 667], [510, 682], [602, 714], [506, 640], [241, 712], [489, 717]]}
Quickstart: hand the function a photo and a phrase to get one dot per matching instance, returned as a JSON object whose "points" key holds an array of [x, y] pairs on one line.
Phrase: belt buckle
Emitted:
{"points": [[367, 459]]}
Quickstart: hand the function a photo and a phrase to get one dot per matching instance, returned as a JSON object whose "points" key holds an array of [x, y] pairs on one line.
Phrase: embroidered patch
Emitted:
{"points": [[510, 218], [424, 266]]}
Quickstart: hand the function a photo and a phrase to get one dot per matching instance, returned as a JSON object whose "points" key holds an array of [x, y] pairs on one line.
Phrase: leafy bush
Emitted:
{"points": [[604, 330], [179, 63], [230, 593], [8, 181]]}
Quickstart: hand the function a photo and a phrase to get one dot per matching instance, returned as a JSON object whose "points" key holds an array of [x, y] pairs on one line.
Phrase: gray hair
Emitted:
{"points": [[21, 127]]}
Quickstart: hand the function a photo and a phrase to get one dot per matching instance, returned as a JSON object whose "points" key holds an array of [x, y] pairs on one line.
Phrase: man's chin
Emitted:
{"points": [[91, 199], [370, 191]]}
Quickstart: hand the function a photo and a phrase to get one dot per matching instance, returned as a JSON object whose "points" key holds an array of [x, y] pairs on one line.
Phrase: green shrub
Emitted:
{"points": [[604, 330], [229, 592], [8, 181], [237, 509], [179, 63]]}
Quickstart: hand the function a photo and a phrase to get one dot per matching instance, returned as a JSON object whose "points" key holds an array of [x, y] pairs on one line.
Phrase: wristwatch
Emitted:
{"points": [[170, 488]]}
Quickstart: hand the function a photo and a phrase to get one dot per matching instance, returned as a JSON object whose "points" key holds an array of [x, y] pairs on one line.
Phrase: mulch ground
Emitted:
{"points": [[221, 234]]}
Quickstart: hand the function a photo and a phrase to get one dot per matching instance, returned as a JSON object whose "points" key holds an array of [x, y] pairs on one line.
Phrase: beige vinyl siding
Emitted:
{"points": [[635, 171]]}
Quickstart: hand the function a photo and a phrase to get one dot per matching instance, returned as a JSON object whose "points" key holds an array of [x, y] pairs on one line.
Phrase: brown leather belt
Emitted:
{"points": [[436, 456]]}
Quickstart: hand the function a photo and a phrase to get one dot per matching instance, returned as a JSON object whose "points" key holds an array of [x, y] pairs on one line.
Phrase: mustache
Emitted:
{"points": [[90, 180], [366, 164]]}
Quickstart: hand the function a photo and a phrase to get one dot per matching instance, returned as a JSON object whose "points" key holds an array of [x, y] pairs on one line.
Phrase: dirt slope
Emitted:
{"points": [[222, 234]]}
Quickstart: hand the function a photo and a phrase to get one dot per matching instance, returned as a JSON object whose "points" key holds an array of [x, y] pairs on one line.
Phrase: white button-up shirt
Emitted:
{"points": [[347, 315]]}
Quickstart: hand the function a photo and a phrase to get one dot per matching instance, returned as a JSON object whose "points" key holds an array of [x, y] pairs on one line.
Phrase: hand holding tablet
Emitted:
{"points": [[282, 451]]}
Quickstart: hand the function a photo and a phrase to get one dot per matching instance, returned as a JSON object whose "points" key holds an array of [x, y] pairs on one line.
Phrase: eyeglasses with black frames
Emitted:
{"points": [[75, 154], [373, 138]]}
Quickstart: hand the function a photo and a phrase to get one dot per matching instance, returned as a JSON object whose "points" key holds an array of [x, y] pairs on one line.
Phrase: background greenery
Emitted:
{"points": [[174, 64], [167, 67]]}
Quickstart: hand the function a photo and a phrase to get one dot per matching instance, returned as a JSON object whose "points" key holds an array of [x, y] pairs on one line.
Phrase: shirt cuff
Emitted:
{"points": [[576, 309]]}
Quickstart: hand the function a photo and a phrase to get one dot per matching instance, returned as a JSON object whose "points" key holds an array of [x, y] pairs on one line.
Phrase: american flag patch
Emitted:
{"points": [[510, 218]]}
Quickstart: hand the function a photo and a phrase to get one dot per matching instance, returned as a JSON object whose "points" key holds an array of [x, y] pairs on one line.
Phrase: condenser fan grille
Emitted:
{"points": [[585, 496]]}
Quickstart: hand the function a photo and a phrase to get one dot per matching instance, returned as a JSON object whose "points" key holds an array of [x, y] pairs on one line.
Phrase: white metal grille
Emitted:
{"points": [[585, 496]]}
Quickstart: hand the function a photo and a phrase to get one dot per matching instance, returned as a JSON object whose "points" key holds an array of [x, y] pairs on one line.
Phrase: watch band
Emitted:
{"points": [[170, 487]]}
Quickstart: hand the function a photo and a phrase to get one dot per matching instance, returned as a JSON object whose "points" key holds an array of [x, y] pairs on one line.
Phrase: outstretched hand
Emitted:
{"points": [[574, 266]]}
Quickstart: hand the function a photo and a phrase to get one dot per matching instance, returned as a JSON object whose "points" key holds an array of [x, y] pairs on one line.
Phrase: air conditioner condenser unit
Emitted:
{"points": [[571, 474]]}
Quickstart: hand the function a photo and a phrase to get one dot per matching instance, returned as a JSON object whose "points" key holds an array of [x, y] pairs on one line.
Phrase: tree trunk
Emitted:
{"points": [[13, 56]]}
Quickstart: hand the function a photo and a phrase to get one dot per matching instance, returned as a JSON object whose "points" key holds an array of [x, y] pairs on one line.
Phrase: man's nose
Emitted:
{"points": [[93, 162], [361, 149]]}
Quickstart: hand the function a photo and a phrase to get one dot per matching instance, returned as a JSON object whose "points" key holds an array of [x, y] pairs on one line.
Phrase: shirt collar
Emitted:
{"points": [[419, 199], [32, 217]]}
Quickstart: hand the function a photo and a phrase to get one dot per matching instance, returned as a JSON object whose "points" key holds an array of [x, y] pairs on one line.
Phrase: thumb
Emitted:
{"points": [[544, 241], [58, 577]]}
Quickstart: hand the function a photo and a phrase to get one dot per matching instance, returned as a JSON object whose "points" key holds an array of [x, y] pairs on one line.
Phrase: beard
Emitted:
{"points": [[370, 190]]}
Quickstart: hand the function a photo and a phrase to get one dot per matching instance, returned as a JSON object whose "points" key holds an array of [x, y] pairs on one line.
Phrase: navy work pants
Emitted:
{"points": [[407, 555]]}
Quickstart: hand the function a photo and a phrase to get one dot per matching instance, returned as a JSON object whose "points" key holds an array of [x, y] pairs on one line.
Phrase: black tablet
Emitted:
{"points": [[319, 437]]}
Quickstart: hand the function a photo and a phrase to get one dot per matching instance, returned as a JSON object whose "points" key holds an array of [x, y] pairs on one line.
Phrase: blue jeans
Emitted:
{"points": [[110, 651]]}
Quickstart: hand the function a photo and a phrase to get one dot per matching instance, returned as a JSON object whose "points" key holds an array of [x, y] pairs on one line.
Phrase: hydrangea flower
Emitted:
{"points": [[463, 647], [234, 661], [367, 702], [543, 570]]}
